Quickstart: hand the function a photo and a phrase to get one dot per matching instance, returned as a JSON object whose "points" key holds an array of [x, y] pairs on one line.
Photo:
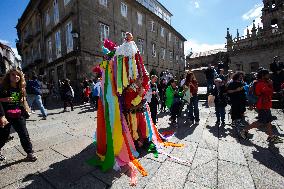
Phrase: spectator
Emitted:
{"points": [[264, 91], [13, 112], [236, 93], [162, 93], [152, 98], [68, 94], [97, 92], [34, 95], [210, 76], [277, 69], [173, 101], [219, 92], [193, 105]]}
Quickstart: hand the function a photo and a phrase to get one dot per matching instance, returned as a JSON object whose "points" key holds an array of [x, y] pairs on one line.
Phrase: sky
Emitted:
{"points": [[202, 22]]}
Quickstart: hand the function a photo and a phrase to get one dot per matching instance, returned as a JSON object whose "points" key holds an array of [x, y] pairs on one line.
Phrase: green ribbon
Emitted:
{"points": [[108, 162]]}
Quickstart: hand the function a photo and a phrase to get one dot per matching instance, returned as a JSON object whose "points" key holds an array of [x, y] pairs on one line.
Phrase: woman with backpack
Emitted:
{"points": [[264, 92], [13, 111]]}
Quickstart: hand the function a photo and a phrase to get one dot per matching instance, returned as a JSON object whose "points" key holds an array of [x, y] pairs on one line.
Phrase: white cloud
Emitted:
{"points": [[253, 13], [5, 42], [196, 4], [200, 47]]}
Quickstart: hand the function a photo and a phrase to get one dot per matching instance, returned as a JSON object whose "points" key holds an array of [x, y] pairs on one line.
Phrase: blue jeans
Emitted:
{"points": [[220, 113], [36, 98], [193, 108]]}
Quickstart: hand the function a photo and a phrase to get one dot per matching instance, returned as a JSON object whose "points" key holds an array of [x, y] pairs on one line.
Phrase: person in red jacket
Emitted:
{"points": [[264, 91]]}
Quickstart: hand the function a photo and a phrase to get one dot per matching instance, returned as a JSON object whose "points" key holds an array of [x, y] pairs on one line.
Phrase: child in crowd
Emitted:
{"points": [[219, 92]]}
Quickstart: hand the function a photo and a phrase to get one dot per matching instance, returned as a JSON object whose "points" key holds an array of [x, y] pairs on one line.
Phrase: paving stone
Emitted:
{"points": [[267, 177], [259, 153], [231, 152], [62, 174], [205, 174], [192, 185], [30, 182], [234, 175], [19, 169], [161, 157], [208, 141], [88, 182], [203, 156], [110, 176], [193, 133], [186, 153], [149, 165], [74, 146], [45, 143], [169, 175]]}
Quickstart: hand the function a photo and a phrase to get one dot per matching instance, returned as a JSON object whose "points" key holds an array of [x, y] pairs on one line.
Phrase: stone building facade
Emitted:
{"points": [[261, 44], [256, 49], [63, 38], [8, 59]]}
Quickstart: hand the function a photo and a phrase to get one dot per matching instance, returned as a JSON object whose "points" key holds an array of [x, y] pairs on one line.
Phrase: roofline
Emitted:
{"points": [[164, 7], [170, 26], [28, 7]]}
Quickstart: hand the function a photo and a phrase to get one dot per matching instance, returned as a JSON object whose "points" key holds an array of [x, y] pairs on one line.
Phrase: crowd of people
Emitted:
{"points": [[19, 93]]}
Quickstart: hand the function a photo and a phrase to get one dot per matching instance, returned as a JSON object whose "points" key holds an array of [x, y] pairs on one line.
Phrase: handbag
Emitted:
{"points": [[14, 114], [187, 96]]}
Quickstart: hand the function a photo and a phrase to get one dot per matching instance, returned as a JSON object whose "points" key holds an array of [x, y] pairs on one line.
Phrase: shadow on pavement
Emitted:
{"points": [[269, 157], [73, 172]]}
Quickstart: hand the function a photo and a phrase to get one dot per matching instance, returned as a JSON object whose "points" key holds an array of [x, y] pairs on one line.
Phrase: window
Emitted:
{"points": [[181, 45], [153, 49], [56, 12], [176, 40], [103, 2], [139, 18], [104, 32], [140, 45], [123, 9], [170, 36], [162, 32], [66, 2], [69, 39], [171, 56], [177, 57], [57, 44], [123, 36], [163, 53], [49, 48], [47, 17], [152, 26]]}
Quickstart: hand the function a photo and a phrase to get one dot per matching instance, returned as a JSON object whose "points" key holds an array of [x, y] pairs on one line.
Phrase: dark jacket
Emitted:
{"points": [[210, 73], [33, 87], [220, 96]]}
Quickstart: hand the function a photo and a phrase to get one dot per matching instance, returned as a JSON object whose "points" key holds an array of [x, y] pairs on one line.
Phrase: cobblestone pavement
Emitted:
{"points": [[215, 157]]}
